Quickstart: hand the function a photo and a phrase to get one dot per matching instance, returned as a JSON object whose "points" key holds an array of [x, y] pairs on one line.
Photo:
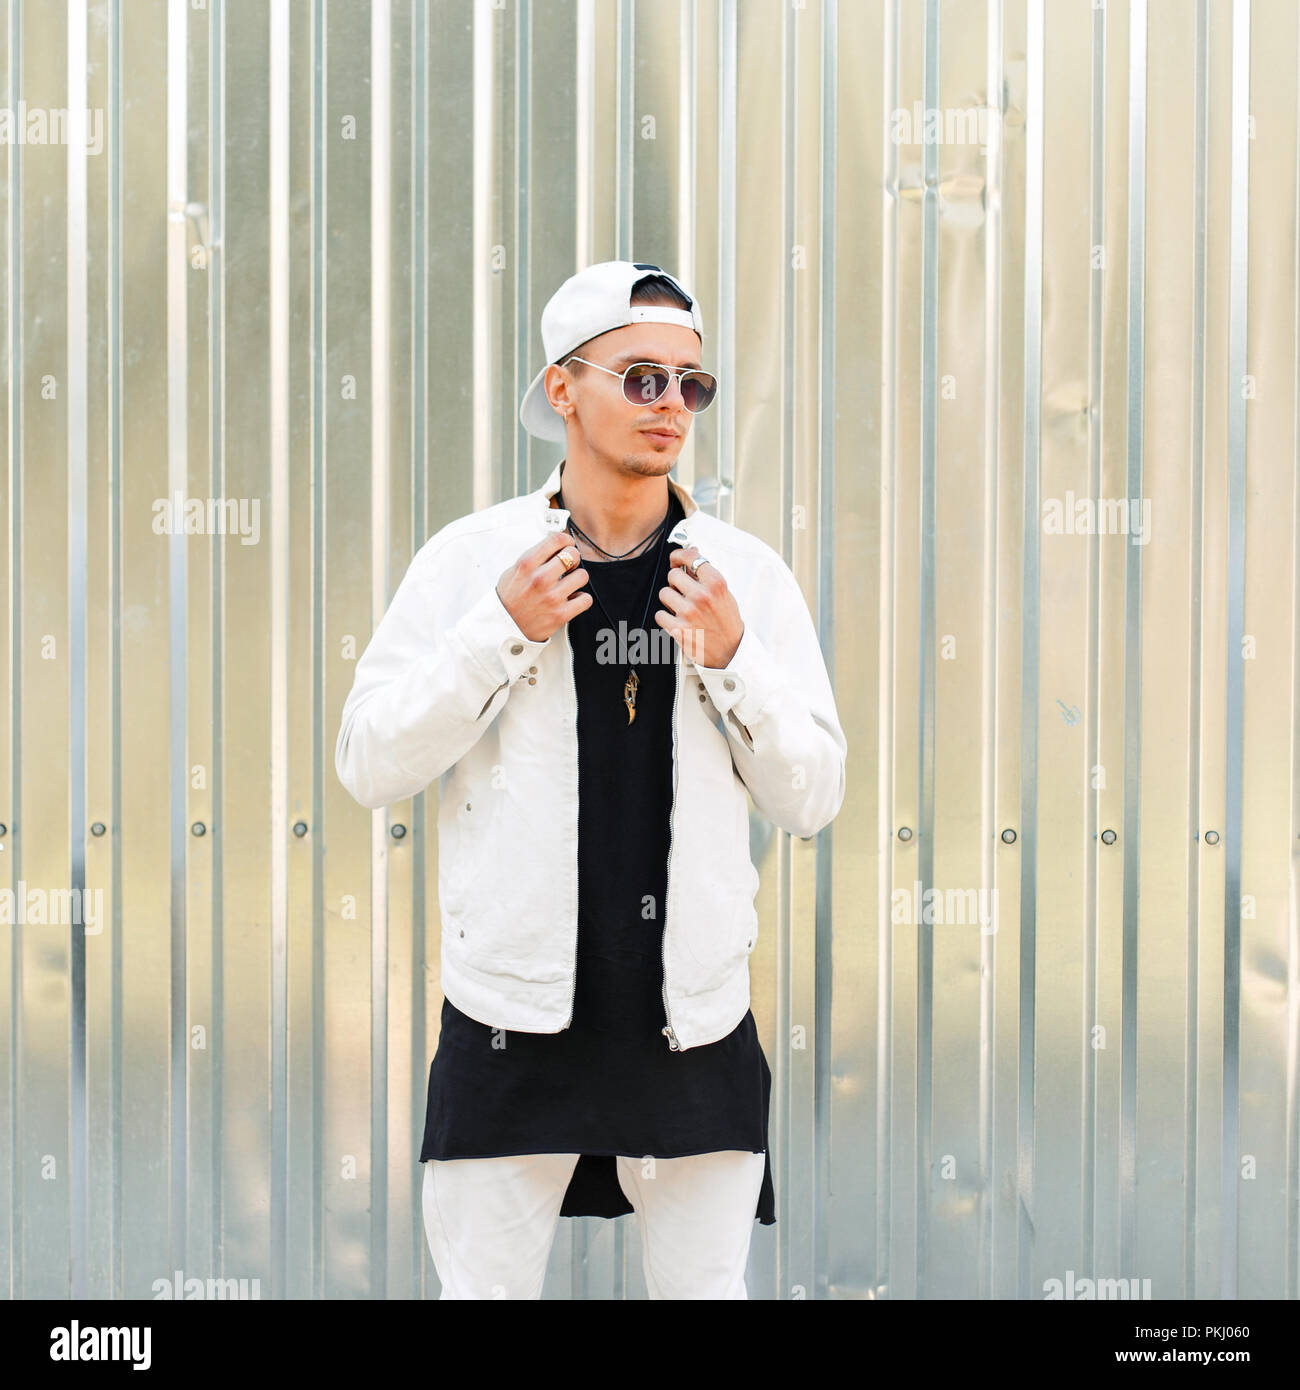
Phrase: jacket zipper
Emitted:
{"points": [[573, 692], [667, 1031]]}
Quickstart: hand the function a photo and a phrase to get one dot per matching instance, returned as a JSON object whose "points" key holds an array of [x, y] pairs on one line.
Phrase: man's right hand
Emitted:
{"points": [[536, 591]]}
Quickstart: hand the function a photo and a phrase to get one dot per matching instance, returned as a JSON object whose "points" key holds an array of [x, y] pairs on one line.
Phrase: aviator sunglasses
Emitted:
{"points": [[645, 382]]}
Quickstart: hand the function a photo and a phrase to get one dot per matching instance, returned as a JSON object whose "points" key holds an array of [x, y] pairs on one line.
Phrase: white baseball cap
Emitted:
{"points": [[590, 303]]}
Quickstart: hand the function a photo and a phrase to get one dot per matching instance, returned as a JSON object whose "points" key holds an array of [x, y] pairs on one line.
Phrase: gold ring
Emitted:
{"points": [[569, 561]]}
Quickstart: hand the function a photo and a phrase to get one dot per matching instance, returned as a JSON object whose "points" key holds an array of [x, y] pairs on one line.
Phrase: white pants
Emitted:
{"points": [[491, 1222]]}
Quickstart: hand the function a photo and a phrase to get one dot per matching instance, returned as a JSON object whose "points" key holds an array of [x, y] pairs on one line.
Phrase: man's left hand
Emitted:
{"points": [[702, 615]]}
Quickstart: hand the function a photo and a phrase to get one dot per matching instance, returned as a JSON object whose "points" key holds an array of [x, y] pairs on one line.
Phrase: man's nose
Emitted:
{"points": [[672, 397]]}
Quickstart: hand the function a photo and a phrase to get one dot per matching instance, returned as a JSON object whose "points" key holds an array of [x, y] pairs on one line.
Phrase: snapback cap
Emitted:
{"points": [[587, 304]]}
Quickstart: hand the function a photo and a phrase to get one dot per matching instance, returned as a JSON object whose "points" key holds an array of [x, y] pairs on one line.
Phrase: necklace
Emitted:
{"points": [[576, 530], [633, 680]]}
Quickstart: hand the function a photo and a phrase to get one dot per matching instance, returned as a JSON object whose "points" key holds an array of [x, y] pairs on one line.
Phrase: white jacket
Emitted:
{"points": [[449, 687]]}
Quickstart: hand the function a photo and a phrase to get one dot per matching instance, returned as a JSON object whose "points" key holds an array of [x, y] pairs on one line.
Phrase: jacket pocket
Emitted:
{"points": [[716, 938], [457, 852]]}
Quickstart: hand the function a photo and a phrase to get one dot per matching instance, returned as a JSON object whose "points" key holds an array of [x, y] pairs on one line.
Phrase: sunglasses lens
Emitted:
{"points": [[698, 391], [646, 382]]}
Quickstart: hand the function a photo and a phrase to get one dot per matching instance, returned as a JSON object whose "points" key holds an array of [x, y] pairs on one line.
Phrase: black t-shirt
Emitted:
{"points": [[609, 1083]]}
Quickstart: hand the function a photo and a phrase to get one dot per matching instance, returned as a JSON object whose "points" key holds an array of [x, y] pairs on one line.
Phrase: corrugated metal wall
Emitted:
{"points": [[303, 272]]}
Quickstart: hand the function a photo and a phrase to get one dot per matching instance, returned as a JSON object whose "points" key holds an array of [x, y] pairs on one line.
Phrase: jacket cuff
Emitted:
{"points": [[493, 639], [746, 683]]}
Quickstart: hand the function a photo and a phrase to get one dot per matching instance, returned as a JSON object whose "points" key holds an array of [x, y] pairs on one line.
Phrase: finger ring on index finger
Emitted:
{"points": [[569, 560], [692, 567]]}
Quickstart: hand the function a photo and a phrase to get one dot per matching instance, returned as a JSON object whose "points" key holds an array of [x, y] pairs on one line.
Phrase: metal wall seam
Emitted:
{"points": [[687, 469], [687, 137], [177, 482], [725, 504], [77, 370], [885, 693], [15, 858], [823, 921], [380, 294], [929, 371], [1233, 732], [485, 170], [320, 390], [1191, 1047], [420, 1260], [624, 125], [584, 123], [522, 242], [1033, 330], [1292, 1187], [278, 606], [116, 1216], [217, 474], [1092, 728], [783, 1169], [994, 99], [1137, 76]]}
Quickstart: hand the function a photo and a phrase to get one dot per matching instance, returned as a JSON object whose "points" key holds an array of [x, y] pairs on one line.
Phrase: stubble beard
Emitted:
{"points": [[652, 465]]}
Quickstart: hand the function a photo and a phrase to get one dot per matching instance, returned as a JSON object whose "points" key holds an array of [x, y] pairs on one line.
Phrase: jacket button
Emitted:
{"points": [[516, 649], [467, 805], [532, 670], [532, 680], [703, 698], [462, 931], [728, 684]]}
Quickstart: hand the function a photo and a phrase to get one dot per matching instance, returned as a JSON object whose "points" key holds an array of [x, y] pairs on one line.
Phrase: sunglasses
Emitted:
{"points": [[645, 382]]}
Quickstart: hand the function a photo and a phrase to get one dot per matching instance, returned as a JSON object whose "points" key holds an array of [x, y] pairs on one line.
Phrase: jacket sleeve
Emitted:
{"points": [[426, 689], [777, 708]]}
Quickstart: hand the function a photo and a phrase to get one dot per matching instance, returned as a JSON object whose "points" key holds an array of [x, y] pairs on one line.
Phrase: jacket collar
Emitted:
{"points": [[552, 485]]}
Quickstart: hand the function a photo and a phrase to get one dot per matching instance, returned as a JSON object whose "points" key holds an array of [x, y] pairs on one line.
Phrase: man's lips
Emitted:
{"points": [[666, 435]]}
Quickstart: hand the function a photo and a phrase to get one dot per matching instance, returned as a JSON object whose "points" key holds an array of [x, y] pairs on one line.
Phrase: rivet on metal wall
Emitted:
{"points": [[398, 831], [97, 828], [1211, 837], [300, 828], [1108, 837], [198, 828], [1009, 836], [905, 833]]}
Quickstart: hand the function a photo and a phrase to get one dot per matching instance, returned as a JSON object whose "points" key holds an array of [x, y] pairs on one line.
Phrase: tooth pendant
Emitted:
{"points": [[629, 694]]}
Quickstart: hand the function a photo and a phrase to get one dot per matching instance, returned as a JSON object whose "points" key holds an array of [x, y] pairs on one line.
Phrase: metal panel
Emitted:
{"points": [[304, 272]]}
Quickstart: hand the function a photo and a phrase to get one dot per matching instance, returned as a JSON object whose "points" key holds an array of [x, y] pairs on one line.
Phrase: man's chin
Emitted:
{"points": [[652, 462]]}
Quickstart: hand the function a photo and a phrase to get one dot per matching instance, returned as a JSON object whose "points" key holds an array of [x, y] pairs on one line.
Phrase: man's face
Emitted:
{"points": [[645, 437]]}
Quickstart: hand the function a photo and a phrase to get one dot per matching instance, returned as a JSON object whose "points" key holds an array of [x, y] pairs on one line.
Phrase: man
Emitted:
{"points": [[597, 1053]]}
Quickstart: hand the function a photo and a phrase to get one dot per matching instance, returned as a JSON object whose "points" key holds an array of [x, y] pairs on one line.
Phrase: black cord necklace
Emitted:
{"points": [[633, 680], [576, 530]]}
